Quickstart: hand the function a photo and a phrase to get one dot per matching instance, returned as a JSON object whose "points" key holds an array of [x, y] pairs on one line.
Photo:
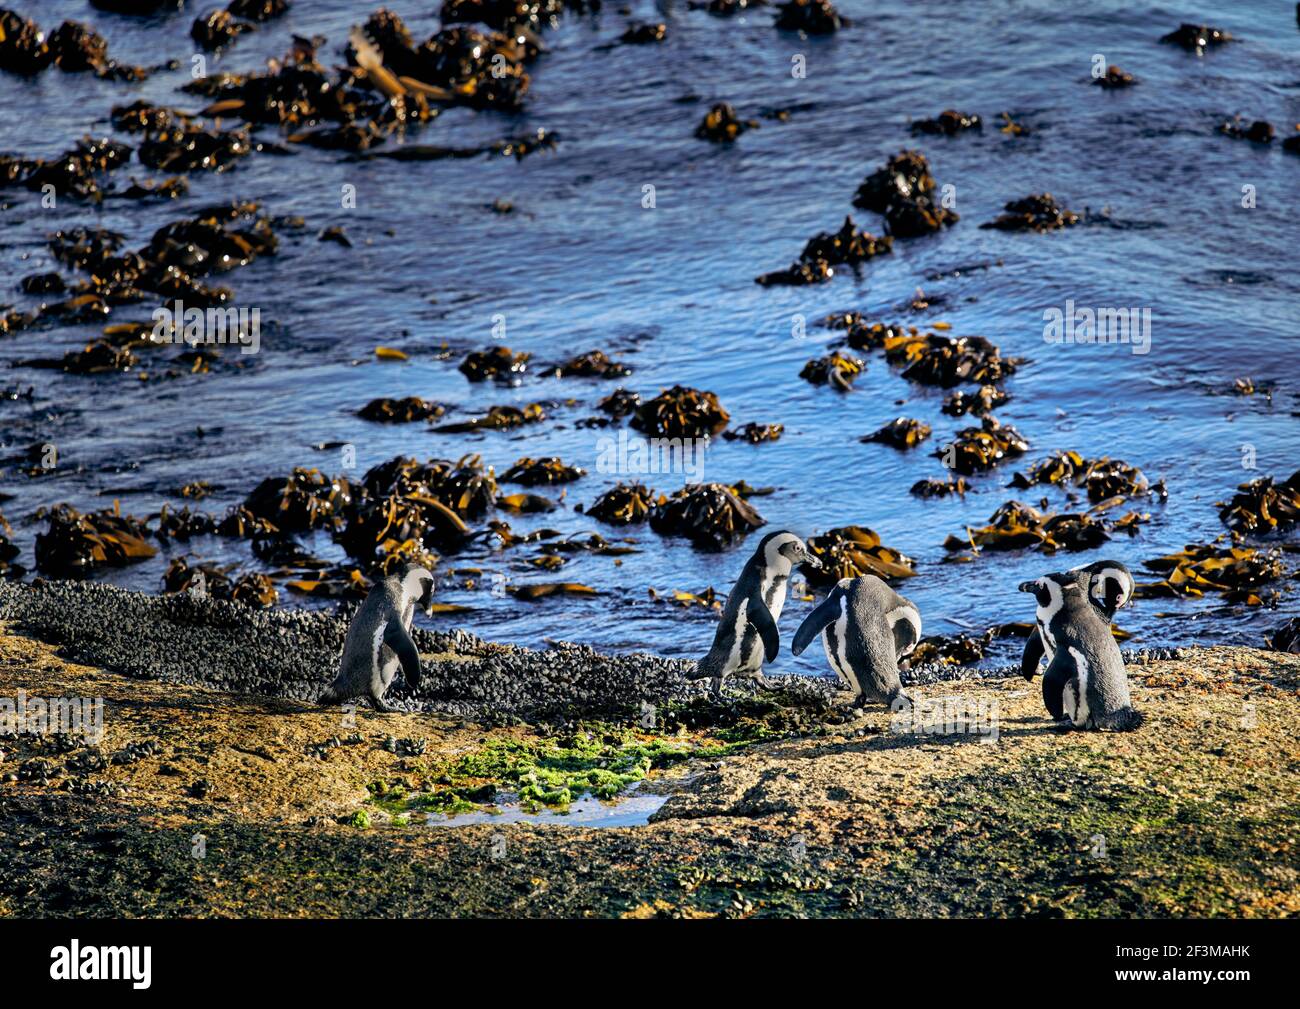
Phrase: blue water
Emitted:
{"points": [[580, 264]]}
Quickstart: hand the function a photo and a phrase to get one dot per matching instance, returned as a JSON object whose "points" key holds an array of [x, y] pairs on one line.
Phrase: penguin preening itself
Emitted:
{"points": [[379, 639], [747, 635], [1085, 682], [1110, 588], [866, 628]]}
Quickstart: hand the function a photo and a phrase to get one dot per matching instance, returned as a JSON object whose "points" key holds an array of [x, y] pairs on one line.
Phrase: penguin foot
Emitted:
{"points": [[381, 707]]}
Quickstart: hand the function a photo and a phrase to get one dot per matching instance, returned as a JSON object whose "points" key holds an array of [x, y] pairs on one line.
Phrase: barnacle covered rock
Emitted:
{"points": [[712, 516], [850, 551], [681, 412]]}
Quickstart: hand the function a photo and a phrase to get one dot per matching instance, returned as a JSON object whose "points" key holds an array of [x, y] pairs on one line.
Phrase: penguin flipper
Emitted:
{"points": [[905, 623], [1058, 674], [815, 622], [1032, 656], [761, 618], [396, 638]]}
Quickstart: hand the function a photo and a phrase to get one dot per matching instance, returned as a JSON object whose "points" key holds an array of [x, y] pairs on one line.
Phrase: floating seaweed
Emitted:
{"points": [[73, 47], [1039, 213], [620, 403], [755, 433], [526, 504], [537, 472], [901, 191], [1196, 38], [251, 588], [826, 250], [1259, 132], [949, 122], [950, 650], [182, 524], [812, 17], [708, 598], [543, 590], [218, 29], [643, 34], [76, 544], [500, 363], [1238, 573], [400, 411], [593, 364], [722, 125], [945, 361], [497, 418], [712, 516], [932, 488], [799, 275], [850, 551], [837, 369], [306, 499], [681, 412], [1262, 506], [977, 449], [623, 504], [987, 399], [1104, 478], [901, 432], [1017, 526], [1114, 77]]}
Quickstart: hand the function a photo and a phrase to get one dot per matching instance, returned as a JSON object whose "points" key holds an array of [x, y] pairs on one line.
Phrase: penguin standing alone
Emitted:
{"points": [[866, 628], [747, 635], [379, 638], [1085, 683]]}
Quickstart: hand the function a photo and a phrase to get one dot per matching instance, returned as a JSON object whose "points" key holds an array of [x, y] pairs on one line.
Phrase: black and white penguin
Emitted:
{"points": [[866, 629], [379, 639], [747, 635], [1085, 683], [1110, 588]]}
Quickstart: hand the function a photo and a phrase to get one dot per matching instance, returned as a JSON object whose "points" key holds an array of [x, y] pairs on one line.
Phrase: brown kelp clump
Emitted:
{"points": [[836, 369], [901, 191], [1263, 506], [949, 122], [980, 403], [76, 173], [1114, 77], [1017, 526], [593, 364], [932, 488], [812, 17], [623, 504], [946, 361], [755, 433], [722, 125], [644, 34], [1238, 573], [497, 418], [681, 412], [1259, 132], [901, 432], [400, 411], [826, 250], [72, 47], [712, 516], [251, 588], [1039, 213], [977, 449], [499, 363], [76, 544], [850, 551], [217, 29], [950, 650], [1104, 478], [1196, 38], [538, 472], [306, 499]]}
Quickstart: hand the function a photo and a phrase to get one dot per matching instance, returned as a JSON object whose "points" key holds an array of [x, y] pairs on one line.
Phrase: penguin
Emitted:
{"points": [[1110, 588], [1085, 685], [747, 635], [866, 629], [379, 639]]}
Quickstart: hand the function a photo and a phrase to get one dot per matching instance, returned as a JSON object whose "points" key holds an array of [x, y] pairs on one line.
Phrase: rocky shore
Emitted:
{"points": [[219, 789]]}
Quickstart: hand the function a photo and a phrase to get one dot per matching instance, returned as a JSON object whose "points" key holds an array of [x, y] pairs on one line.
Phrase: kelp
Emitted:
{"points": [[708, 598], [1238, 573], [979, 403], [851, 551], [251, 588], [182, 524], [76, 544], [1038, 212], [946, 361], [681, 412], [949, 122], [1104, 478], [9, 553], [306, 499], [544, 590], [1017, 526], [400, 411], [977, 449], [827, 250], [497, 418], [901, 433], [932, 488], [1114, 78], [721, 124], [755, 433], [712, 516], [837, 369], [623, 504], [217, 29], [593, 364], [499, 363], [812, 17], [950, 650], [901, 192], [1286, 638], [1263, 506], [1197, 38], [536, 472]]}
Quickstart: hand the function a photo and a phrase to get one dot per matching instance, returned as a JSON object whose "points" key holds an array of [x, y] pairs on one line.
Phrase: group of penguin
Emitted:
{"points": [[866, 628]]}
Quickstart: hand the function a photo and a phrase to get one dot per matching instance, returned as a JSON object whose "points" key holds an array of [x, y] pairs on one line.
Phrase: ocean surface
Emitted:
{"points": [[581, 264]]}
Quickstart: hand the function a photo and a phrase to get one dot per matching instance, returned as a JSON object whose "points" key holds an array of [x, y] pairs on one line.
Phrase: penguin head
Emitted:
{"points": [[1110, 585], [417, 584], [1049, 587], [785, 548]]}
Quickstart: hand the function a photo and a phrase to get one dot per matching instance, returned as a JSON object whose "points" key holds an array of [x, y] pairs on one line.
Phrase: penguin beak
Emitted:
{"points": [[1027, 587], [811, 560]]}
